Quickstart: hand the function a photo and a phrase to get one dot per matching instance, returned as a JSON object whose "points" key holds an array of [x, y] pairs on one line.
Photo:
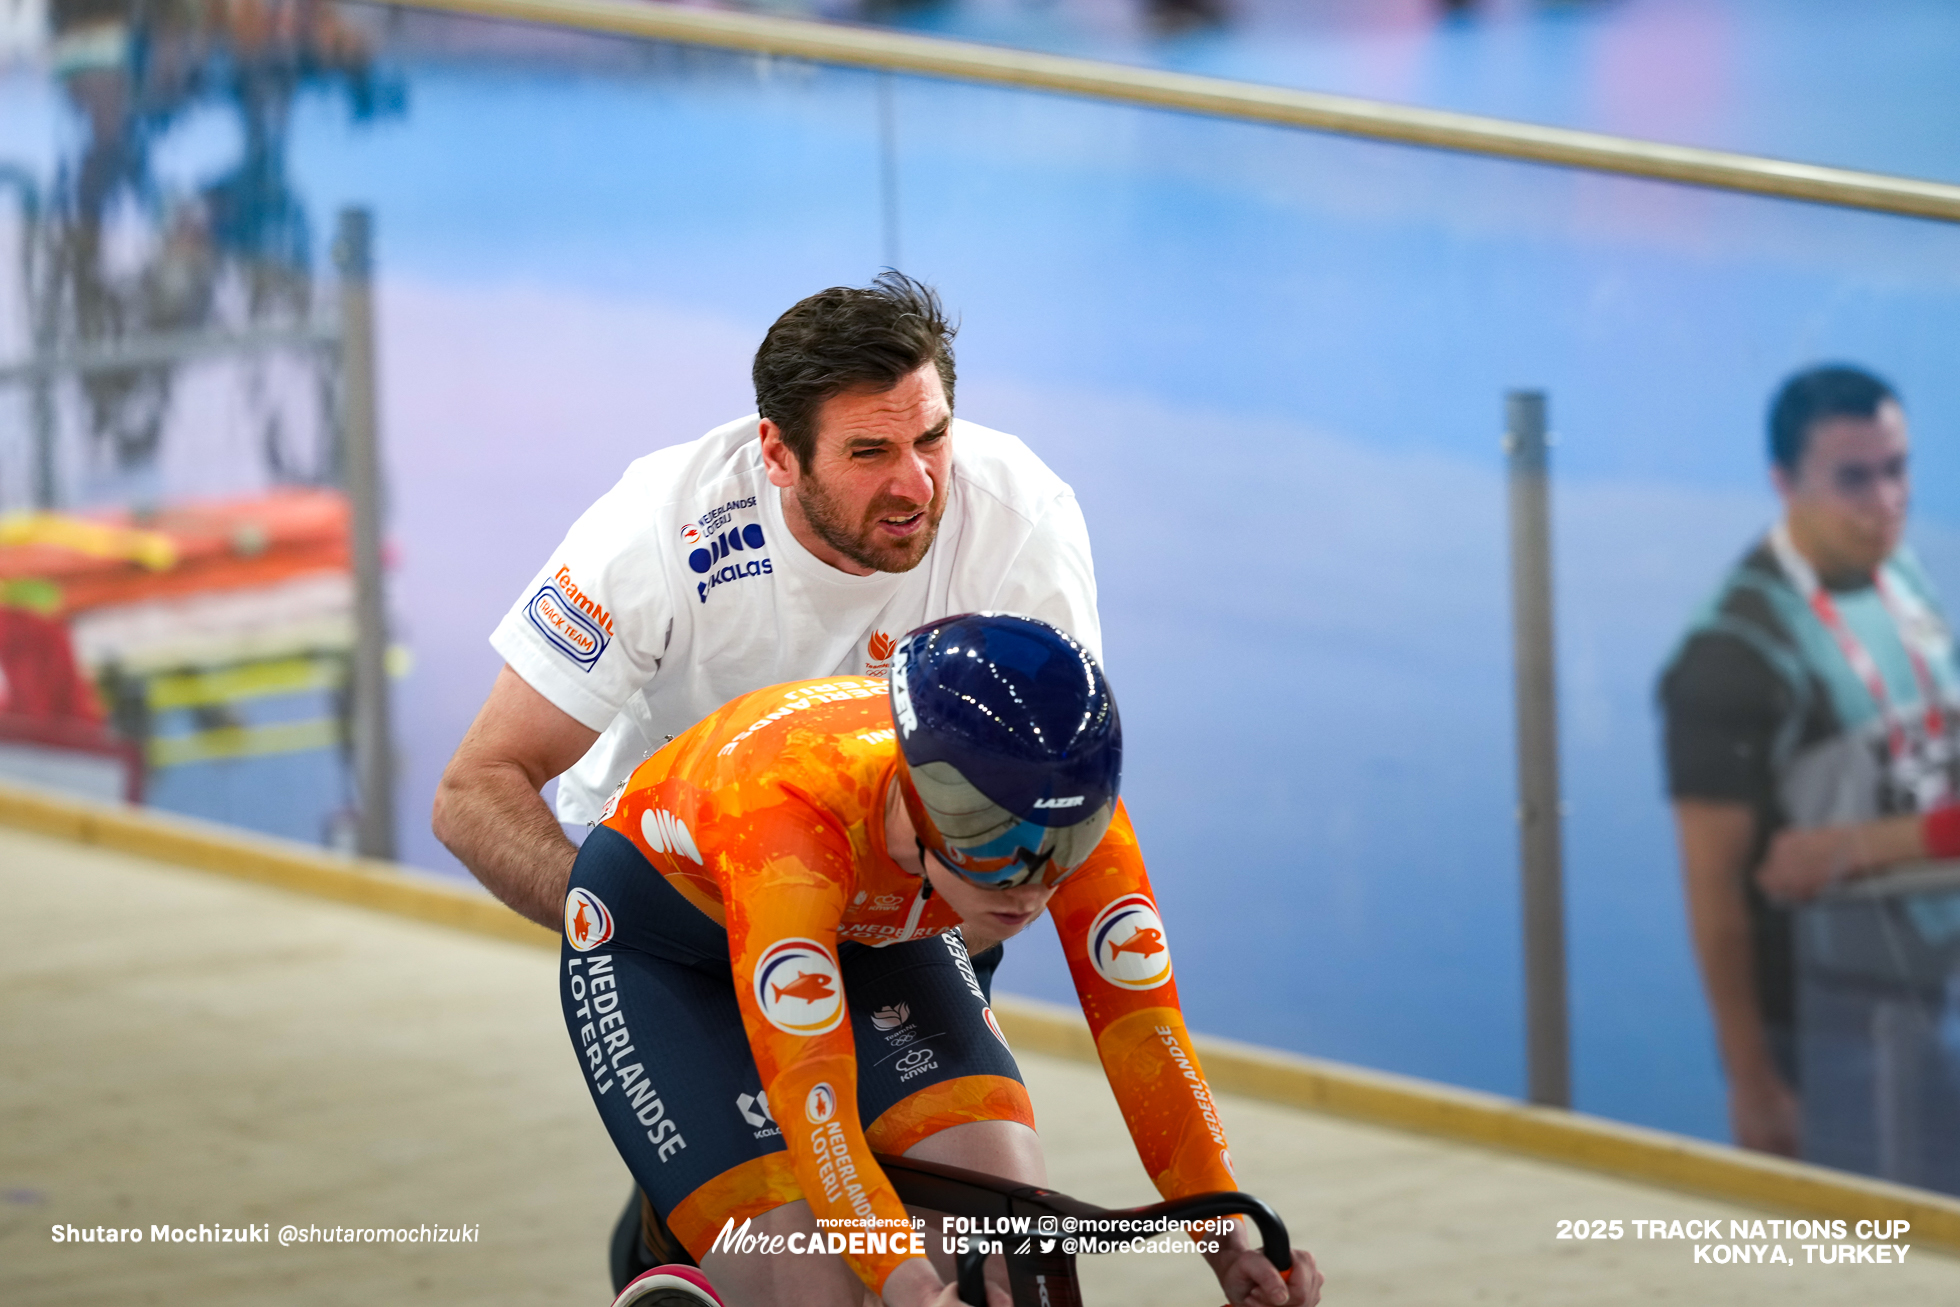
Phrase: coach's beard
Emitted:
{"points": [[861, 542]]}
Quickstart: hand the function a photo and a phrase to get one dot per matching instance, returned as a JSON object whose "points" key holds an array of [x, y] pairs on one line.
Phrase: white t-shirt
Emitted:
{"points": [[683, 587]]}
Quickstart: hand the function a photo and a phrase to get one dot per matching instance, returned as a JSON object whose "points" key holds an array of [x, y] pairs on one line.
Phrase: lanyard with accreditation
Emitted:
{"points": [[1930, 785]]}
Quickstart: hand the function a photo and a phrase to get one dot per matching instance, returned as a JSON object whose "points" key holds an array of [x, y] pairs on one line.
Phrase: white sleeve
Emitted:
{"points": [[591, 628], [1053, 577]]}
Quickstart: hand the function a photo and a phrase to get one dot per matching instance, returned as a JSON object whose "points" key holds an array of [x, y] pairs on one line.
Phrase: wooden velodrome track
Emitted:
{"points": [[180, 1048]]}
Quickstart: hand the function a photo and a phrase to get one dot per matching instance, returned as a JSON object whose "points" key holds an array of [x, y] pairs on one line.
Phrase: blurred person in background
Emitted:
{"points": [[1812, 716]]}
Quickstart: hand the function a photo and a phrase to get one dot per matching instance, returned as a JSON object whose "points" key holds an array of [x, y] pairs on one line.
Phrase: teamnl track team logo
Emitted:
{"points": [[588, 922], [575, 624], [798, 988], [1126, 944]]}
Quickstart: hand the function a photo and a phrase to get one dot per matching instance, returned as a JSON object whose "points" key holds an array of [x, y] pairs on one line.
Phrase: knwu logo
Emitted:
{"points": [[915, 1063], [666, 833]]}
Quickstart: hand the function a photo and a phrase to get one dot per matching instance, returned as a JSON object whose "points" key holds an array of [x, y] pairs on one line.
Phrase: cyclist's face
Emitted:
{"points": [[990, 914], [1847, 500], [993, 914]]}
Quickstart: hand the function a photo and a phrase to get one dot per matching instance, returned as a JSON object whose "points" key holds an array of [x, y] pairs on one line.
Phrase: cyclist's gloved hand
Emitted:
{"points": [[915, 1284], [1249, 1280]]}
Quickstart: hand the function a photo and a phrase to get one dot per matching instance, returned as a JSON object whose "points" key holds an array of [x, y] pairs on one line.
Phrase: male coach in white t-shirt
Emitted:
{"points": [[798, 543]]}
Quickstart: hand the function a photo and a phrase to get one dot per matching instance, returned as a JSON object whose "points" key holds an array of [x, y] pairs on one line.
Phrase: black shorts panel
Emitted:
{"points": [[653, 1017]]}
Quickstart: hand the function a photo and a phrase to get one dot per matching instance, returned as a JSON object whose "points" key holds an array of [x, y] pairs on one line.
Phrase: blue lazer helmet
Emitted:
{"points": [[1013, 749]]}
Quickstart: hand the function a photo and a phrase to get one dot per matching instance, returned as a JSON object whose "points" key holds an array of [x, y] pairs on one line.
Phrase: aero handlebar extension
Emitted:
{"points": [[1037, 1277]]}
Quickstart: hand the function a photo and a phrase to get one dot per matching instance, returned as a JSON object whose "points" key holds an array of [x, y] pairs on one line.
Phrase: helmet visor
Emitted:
{"points": [[986, 844]]}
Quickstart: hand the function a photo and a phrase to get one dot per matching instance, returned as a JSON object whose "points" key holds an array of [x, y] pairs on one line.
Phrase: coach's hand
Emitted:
{"points": [[1249, 1280]]}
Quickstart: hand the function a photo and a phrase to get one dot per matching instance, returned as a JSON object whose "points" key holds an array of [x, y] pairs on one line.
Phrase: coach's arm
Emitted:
{"points": [[488, 809]]}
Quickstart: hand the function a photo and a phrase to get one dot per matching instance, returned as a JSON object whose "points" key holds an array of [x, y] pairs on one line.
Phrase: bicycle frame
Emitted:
{"points": [[1039, 1279]]}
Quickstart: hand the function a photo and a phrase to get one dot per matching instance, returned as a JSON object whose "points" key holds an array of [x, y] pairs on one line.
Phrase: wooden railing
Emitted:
{"points": [[1222, 98]]}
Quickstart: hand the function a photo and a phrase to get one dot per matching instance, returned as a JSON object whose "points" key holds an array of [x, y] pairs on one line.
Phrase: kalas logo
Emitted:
{"points": [[798, 987], [1126, 944], [731, 540], [588, 923], [748, 537]]}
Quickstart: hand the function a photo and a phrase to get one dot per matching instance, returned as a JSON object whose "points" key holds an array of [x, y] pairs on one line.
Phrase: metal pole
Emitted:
{"points": [[888, 165], [41, 299], [1548, 1056], [47, 489], [374, 762]]}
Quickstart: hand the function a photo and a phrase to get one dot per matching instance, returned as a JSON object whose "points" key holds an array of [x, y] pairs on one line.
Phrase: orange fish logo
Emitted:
{"points": [[588, 923], [1126, 944], [820, 1104], [880, 646], [809, 988], [798, 987], [1147, 940]]}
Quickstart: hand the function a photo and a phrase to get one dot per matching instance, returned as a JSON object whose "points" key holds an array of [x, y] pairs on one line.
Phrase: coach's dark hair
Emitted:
{"points": [[1834, 390], [847, 338]]}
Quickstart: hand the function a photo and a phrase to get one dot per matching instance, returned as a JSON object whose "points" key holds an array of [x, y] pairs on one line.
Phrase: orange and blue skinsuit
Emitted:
{"points": [[768, 818]]}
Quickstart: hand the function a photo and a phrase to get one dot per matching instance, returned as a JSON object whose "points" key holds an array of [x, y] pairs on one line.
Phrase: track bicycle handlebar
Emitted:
{"points": [[1050, 1277]]}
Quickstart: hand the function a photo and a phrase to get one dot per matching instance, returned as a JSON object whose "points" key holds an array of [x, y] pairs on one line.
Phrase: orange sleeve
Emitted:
{"points": [[786, 874], [1121, 964]]}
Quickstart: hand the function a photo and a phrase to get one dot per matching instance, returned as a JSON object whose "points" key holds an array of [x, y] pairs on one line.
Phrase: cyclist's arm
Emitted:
{"points": [[1103, 913], [785, 882], [1146, 1052]]}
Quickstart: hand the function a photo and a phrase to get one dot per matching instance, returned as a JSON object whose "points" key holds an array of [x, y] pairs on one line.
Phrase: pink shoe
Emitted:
{"points": [[669, 1286]]}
